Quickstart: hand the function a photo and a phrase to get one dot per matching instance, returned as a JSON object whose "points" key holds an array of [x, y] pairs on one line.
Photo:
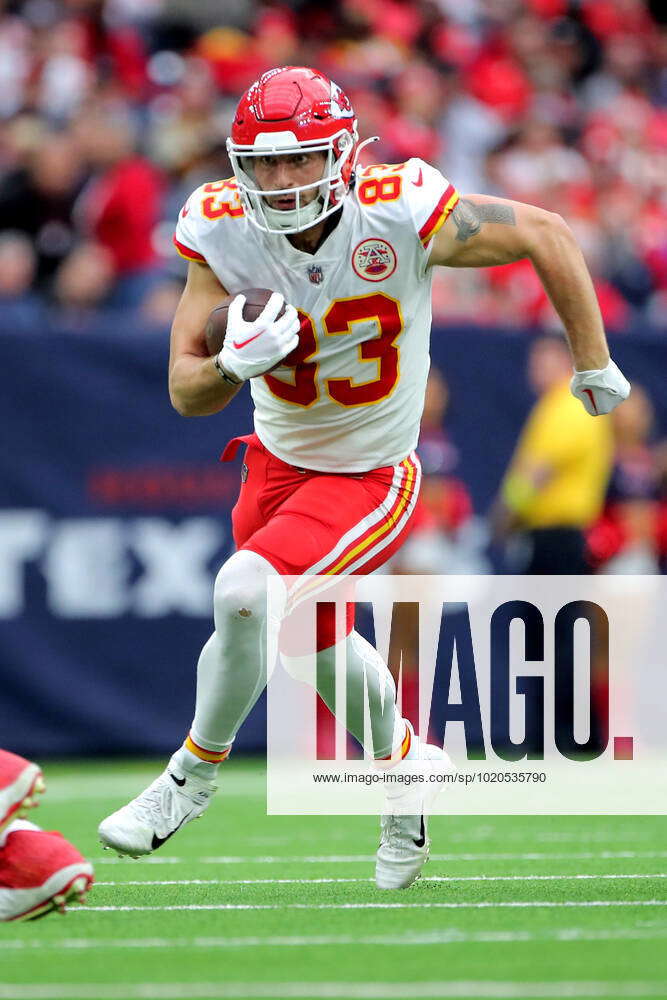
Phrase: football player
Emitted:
{"points": [[330, 475]]}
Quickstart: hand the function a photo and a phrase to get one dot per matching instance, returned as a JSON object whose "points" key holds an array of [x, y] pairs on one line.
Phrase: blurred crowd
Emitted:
{"points": [[112, 111]]}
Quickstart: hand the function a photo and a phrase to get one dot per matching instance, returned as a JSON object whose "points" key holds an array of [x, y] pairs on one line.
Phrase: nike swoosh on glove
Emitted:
{"points": [[600, 389], [251, 349]]}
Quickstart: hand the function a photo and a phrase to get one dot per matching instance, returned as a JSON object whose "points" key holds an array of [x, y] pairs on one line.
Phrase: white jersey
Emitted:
{"points": [[352, 395]]}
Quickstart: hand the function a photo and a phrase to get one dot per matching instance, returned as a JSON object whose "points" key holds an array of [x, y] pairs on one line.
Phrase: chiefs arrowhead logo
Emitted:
{"points": [[374, 260]]}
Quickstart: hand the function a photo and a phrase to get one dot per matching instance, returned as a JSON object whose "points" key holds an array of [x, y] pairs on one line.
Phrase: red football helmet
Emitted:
{"points": [[288, 110]]}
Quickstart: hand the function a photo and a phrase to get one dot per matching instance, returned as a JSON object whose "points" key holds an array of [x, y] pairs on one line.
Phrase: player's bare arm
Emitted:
{"points": [[483, 231], [195, 386]]}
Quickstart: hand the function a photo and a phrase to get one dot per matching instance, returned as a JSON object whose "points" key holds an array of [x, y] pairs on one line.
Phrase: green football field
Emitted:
{"points": [[244, 905]]}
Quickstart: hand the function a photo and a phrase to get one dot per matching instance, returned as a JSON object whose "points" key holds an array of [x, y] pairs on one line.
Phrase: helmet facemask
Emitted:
{"points": [[331, 187]]}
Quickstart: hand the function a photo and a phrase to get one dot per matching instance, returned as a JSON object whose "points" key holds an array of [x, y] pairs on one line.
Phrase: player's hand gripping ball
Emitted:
{"points": [[252, 332]]}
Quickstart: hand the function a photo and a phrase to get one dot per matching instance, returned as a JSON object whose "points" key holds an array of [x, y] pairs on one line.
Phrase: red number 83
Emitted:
{"points": [[303, 388]]}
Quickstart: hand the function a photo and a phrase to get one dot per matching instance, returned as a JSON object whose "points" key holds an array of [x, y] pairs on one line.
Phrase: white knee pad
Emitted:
{"points": [[240, 591]]}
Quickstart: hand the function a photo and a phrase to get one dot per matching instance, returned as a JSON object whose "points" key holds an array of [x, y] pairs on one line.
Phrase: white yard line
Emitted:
{"points": [[336, 881], [480, 905], [406, 939], [481, 989], [321, 859]]}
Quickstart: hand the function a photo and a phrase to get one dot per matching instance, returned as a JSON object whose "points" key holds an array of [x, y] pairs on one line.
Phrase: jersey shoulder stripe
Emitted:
{"points": [[187, 252], [439, 215]]}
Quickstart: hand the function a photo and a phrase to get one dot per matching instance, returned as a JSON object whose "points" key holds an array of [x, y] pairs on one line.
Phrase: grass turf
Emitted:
{"points": [[282, 906]]}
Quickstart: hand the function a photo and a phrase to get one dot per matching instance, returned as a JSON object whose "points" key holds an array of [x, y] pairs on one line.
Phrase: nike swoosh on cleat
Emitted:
{"points": [[420, 180], [248, 341], [179, 781], [159, 841], [422, 836]]}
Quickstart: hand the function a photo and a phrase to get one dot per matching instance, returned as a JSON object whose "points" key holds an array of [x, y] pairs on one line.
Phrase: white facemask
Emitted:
{"points": [[331, 188]]}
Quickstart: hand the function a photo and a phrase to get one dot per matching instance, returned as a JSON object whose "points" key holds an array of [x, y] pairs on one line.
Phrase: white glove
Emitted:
{"points": [[251, 349], [601, 389]]}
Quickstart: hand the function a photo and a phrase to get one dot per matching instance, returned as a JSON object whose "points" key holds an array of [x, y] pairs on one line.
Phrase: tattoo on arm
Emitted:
{"points": [[469, 217]]}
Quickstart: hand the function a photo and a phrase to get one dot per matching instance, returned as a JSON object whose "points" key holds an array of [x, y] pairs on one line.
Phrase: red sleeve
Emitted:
{"points": [[187, 252]]}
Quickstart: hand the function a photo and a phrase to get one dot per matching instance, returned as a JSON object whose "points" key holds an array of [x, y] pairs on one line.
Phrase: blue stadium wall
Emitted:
{"points": [[114, 516]]}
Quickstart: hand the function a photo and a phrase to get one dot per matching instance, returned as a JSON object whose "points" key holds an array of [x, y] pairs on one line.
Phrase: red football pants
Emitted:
{"points": [[305, 522]]}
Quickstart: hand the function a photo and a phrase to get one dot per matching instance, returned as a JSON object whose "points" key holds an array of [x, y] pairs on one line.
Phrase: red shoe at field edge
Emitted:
{"points": [[40, 872], [20, 783]]}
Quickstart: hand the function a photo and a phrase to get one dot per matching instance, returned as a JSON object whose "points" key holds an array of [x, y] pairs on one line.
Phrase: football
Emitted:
{"points": [[216, 327]]}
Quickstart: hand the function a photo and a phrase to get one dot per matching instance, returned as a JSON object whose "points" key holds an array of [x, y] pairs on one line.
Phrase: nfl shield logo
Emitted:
{"points": [[315, 274]]}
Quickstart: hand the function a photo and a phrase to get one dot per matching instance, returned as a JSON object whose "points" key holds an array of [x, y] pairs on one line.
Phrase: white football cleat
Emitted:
{"points": [[146, 822], [404, 841]]}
